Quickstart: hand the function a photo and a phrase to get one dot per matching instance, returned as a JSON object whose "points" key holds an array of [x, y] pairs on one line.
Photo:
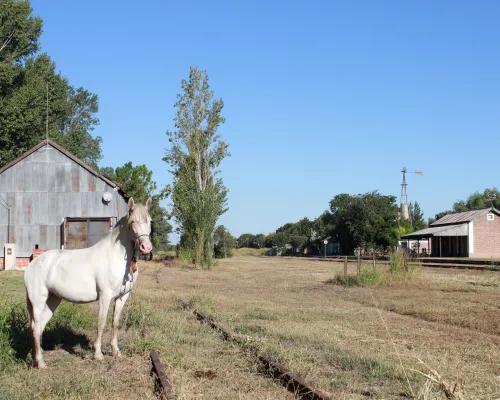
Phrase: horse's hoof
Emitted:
{"points": [[41, 365], [98, 357], [117, 354]]}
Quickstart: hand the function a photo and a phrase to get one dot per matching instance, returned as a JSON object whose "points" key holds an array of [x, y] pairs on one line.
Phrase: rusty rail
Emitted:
{"points": [[163, 387], [289, 380]]}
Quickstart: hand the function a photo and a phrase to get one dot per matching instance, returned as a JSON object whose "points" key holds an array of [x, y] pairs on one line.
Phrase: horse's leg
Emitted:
{"points": [[31, 322], [104, 301], [39, 320], [119, 303], [36, 329], [50, 307]]}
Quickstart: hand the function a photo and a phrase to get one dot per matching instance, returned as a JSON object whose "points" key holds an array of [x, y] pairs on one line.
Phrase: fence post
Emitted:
{"points": [[345, 266], [359, 261], [405, 261], [373, 260]]}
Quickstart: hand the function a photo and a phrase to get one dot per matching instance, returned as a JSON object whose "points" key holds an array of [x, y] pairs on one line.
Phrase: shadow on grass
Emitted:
{"points": [[55, 337]]}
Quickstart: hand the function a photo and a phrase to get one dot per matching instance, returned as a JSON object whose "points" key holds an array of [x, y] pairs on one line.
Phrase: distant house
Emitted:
{"points": [[49, 199], [332, 247], [473, 234], [317, 247], [418, 247]]}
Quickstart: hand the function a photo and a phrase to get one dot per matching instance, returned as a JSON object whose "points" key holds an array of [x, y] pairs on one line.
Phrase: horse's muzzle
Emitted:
{"points": [[145, 249]]}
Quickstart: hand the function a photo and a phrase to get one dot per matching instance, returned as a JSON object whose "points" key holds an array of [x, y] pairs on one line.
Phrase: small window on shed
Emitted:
{"points": [[490, 217]]}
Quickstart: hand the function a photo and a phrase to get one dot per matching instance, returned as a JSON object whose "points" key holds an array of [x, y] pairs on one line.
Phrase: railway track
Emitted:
{"points": [[289, 380]]}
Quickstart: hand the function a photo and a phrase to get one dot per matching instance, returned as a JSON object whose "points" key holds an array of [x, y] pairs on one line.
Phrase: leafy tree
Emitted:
{"points": [[19, 31], [297, 241], [258, 241], [304, 227], [278, 239], [270, 240], [251, 240], [417, 217], [439, 216], [405, 227], [475, 201], [224, 242], [108, 172], [75, 135], [288, 227], [196, 151], [138, 183], [245, 240], [161, 227], [25, 79], [323, 226], [365, 220]]}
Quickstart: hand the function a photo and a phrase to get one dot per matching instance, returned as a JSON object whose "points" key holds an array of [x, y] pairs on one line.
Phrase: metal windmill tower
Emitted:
{"points": [[404, 206]]}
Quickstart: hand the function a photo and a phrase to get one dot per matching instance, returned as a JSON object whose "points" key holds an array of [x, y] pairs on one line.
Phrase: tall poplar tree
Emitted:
{"points": [[196, 150]]}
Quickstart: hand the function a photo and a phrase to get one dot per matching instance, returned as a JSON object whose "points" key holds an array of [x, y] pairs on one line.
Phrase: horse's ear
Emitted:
{"points": [[131, 203], [149, 202]]}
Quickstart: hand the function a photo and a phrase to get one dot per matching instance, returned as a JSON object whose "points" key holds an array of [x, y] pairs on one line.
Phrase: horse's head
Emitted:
{"points": [[139, 223]]}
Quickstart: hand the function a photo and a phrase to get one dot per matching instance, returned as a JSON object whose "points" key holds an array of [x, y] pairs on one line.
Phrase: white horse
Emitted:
{"points": [[103, 272]]}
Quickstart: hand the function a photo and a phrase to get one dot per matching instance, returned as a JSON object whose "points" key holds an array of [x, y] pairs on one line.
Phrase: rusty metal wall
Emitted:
{"points": [[42, 190]]}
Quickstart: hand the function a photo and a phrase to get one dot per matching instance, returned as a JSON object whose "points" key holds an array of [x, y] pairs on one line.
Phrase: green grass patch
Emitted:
{"points": [[143, 345], [140, 316], [73, 316], [261, 314], [396, 272], [373, 370], [14, 334], [249, 329], [201, 302], [249, 252], [12, 285], [366, 277], [367, 366]]}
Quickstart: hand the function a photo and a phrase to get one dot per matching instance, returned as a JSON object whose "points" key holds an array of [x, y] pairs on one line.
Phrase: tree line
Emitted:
{"points": [[489, 197], [367, 221]]}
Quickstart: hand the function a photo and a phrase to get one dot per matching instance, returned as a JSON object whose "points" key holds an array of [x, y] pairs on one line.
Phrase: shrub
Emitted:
{"points": [[380, 276], [219, 252], [14, 334], [366, 277]]}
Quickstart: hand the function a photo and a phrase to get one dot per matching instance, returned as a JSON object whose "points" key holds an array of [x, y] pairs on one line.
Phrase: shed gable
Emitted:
{"points": [[45, 186]]}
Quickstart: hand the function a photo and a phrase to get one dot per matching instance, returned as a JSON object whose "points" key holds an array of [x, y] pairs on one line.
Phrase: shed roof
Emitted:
{"points": [[443, 230], [465, 216], [69, 155]]}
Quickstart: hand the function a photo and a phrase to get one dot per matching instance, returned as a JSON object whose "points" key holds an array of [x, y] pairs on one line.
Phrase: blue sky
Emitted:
{"points": [[320, 98]]}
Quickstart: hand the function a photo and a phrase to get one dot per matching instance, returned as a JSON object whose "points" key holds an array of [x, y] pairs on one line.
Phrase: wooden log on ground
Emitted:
{"points": [[292, 382], [164, 388]]}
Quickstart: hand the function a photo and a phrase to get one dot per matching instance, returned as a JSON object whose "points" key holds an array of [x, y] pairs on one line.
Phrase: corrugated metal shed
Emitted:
{"points": [[44, 186], [446, 230], [460, 217]]}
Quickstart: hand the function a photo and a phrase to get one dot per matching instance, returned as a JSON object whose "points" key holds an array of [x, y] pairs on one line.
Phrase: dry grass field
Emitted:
{"points": [[355, 343]]}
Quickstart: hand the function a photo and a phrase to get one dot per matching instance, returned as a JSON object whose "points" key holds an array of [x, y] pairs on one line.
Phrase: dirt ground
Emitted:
{"points": [[354, 343]]}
